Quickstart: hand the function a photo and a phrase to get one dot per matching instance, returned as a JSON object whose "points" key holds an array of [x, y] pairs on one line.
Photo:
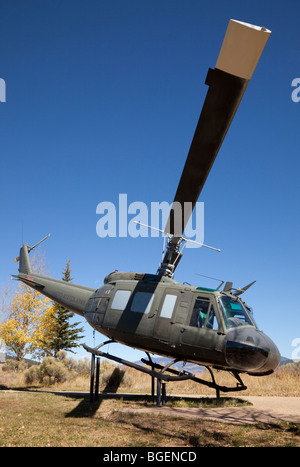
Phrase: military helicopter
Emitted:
{"points": [[155, 313]]}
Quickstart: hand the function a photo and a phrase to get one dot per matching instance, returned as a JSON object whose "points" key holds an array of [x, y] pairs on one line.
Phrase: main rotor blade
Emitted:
{"points": [[240, 52]]}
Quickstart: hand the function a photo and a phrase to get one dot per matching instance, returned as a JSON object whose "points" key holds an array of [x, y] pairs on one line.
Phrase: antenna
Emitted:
{"points": [[213, 278]]}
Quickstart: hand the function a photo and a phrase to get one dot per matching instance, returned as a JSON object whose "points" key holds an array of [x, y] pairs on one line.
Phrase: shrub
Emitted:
{"points": [[14, 365], [61, 355], [49, 372], [53, 371], [78, 367], [294, 368], [83, 367], [32, 375]]}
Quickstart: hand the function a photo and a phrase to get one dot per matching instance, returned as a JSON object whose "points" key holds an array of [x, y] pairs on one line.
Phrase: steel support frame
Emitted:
{"points": [[94, 386], [161, 376]]}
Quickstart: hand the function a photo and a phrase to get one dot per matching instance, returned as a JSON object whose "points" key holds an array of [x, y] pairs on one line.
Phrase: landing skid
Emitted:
{"points": [[161, 376]]}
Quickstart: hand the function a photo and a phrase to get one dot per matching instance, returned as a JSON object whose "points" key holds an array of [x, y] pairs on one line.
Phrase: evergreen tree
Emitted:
{"points": [[64, 336]]}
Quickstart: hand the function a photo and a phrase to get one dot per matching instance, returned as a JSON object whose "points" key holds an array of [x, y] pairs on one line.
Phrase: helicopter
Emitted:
{"points": [[153, 312]]}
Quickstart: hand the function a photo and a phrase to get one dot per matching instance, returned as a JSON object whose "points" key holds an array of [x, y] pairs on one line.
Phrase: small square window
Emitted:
{"points": [[120, 299], [168, 306]]}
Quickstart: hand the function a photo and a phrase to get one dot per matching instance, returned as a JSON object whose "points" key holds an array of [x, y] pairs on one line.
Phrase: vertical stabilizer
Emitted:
{"points": [[24, 267]]}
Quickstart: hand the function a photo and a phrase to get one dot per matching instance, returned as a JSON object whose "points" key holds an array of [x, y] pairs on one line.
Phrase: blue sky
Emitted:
{"points": [[102, 98]]}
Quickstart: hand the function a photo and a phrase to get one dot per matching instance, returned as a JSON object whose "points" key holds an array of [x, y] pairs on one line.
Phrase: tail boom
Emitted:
{"points": [[74, 297]]}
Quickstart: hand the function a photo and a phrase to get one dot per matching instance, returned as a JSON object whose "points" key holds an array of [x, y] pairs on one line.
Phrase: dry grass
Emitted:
{"points": [[39, 419], [281, 383], [46, 419], [284, 382]]}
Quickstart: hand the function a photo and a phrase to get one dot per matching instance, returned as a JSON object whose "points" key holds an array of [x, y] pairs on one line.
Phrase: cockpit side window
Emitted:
{"points": [[102, 305], [199, 313], [203, 315], [211, 322]]}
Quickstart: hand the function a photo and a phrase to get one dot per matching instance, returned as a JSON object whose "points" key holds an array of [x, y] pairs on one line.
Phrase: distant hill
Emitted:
{"points": [[193, 368], [285, 361], [190, 367]]}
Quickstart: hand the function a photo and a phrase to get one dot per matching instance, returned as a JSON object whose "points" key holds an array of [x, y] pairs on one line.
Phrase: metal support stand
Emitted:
{"points": [[92, 378], [152, 375], [152, 383], [161, 376], [161, 396], [97, 378], [214, 382], [94, 392], [158, 393]]}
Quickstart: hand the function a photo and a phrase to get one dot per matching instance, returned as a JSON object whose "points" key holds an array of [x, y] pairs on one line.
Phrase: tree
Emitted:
{"points": [[29, 315], [63, 335], [5, 292]]}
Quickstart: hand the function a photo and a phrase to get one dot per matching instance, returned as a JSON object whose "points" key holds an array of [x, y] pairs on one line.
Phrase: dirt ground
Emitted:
{"points": [[264, 409]]}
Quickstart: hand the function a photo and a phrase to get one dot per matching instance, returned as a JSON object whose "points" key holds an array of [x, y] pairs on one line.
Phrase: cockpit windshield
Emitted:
{"points": [[234, 313]]}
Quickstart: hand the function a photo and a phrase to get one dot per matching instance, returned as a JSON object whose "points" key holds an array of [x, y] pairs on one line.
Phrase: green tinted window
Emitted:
{"points": [[234, 313]]}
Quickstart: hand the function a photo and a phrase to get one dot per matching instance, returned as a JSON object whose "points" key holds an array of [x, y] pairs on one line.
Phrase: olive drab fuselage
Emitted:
{"points": [[179, 321], [154, 316]]}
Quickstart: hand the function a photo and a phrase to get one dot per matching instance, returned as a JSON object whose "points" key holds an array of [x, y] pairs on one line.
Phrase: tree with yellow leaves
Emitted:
{"points": [[29, 319]]}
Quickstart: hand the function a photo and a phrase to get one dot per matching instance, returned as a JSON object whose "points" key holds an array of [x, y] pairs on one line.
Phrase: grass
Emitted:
{"points": [[284, 382], [142, 400], [40, 419], [37, 417]]}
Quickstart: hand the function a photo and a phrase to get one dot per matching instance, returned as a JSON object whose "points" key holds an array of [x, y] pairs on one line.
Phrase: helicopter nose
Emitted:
{"points": [[248, 349]]}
